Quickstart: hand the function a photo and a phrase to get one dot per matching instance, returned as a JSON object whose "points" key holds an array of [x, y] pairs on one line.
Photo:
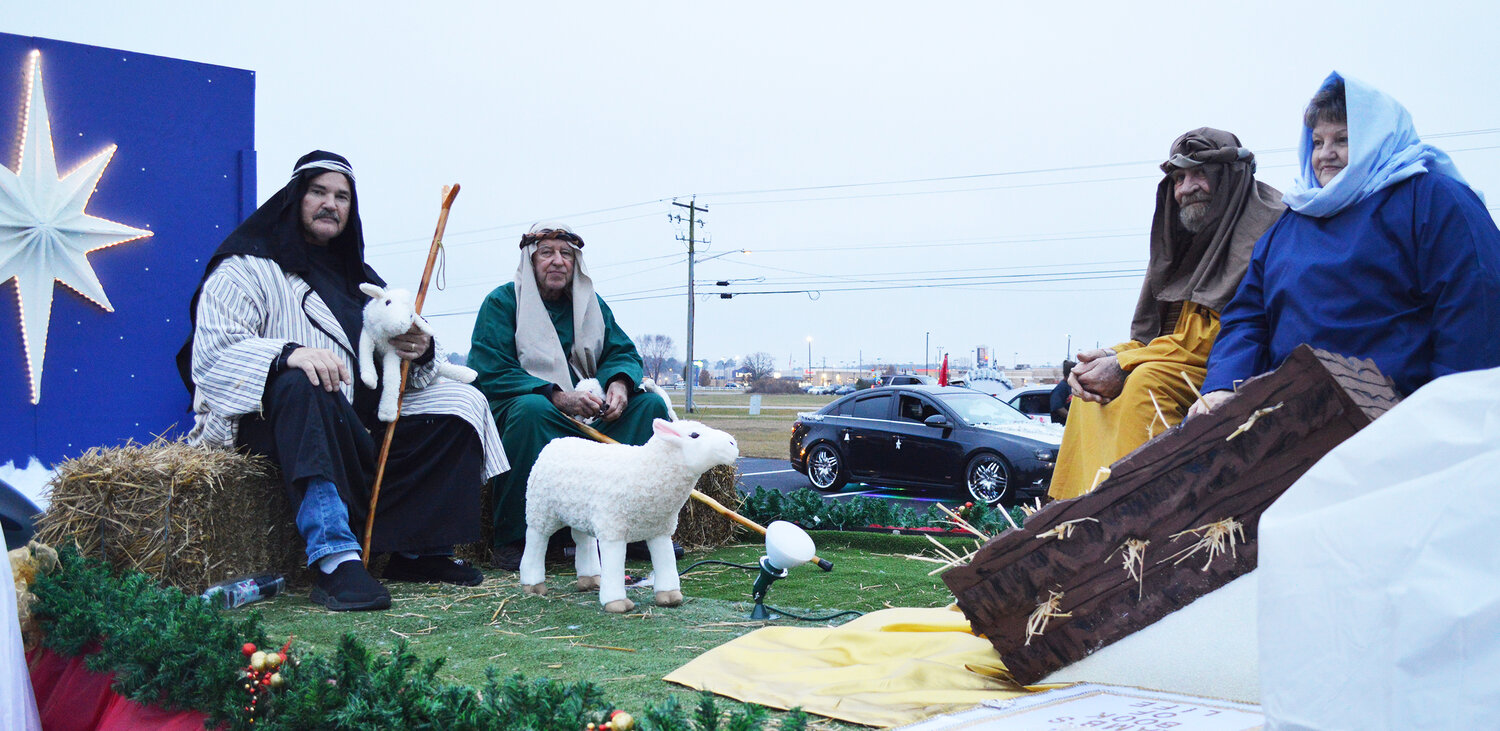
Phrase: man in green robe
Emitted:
{"points": [[534, 340]]}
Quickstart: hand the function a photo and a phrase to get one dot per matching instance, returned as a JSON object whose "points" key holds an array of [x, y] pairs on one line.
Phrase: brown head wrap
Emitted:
{"points": [[1205, 267]]}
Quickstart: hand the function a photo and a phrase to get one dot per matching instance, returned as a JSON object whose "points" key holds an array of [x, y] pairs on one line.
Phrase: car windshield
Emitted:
{"points": [[979, 408]]}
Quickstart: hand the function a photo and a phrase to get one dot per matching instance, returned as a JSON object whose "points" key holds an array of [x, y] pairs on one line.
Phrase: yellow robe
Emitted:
{"points": [[1097, 435]]}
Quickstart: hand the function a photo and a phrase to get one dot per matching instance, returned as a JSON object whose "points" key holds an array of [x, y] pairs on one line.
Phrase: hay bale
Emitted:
{"points": [[188, 516], [701, 527]]}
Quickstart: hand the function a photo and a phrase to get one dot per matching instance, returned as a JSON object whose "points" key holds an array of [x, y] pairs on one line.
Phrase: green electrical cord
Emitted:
{"points": [[783, 612], [813, 619]]}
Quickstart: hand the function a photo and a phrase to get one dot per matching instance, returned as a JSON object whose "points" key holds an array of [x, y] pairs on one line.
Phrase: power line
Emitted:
{"points": [[1032, 171], [528, 223], [953, 285], [917, 283], [906, 181]]}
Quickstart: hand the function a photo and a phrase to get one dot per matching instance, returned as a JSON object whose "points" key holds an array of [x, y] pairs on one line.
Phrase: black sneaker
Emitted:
{"points": [[432, 570], [350, 588], [506, 556]]}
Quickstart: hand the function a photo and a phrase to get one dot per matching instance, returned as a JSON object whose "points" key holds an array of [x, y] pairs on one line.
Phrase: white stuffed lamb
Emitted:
{"points": [[591, 385], [392, 312], [613, 494]]}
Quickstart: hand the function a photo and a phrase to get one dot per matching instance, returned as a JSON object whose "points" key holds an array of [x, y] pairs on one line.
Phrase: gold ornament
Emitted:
{"points": [[277, 681], [258, 661]]}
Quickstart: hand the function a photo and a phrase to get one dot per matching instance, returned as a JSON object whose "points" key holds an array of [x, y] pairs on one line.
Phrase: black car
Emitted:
{"points": [[926, 436]]}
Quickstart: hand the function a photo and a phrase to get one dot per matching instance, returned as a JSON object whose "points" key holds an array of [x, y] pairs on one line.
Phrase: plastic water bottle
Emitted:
{"points": [[241, 591]]}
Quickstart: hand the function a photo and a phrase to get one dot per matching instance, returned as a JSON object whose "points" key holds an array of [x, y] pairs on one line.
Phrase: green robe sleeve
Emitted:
{"points": [[492, 349], [619, 359]]}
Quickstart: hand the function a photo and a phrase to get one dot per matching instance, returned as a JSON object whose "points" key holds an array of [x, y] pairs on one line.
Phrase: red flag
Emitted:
{"points": [[943, 374]]}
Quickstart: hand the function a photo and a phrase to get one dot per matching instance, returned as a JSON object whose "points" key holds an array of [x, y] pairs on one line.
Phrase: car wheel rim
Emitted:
{"points": [[987, 481], [823, 467]]}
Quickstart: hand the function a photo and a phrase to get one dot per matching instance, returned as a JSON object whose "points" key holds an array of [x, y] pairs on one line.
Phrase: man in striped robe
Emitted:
{"points": [[273, 369]]}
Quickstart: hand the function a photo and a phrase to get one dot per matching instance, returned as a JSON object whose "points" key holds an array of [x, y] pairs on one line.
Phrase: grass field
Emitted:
{"points": [[763, 435], [567, 636]]}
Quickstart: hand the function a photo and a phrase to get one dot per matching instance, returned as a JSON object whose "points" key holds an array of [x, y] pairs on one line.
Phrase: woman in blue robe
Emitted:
{"points": [[1384, 253]]}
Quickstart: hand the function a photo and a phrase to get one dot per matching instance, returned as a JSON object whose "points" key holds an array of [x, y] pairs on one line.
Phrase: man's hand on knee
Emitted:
{"points": [[1099, 378], [576, 403], [322, 367]]}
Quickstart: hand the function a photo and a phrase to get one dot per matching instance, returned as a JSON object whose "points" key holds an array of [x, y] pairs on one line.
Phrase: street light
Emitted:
{"points": [[809, 358]]}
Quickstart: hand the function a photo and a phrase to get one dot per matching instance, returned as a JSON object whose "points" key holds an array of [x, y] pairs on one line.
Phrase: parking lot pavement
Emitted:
{"points": [[777, 474]]}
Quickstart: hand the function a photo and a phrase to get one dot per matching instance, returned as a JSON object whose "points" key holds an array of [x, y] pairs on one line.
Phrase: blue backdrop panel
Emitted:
{"points": [[185, 171]]}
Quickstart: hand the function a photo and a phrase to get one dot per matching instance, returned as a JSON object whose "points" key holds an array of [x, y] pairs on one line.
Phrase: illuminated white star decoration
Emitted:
{"points": [[44, 233]]}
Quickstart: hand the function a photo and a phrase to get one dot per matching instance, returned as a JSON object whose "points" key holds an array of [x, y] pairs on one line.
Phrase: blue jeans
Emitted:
{"points": [[323, 521]]}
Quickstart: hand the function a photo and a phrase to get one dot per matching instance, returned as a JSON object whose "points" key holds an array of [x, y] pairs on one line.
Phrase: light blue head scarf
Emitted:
{"points": [[1383, 150]]}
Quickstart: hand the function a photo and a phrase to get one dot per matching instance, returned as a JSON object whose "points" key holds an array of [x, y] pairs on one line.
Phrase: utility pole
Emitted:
{"points": [[692, 242], [926, 353]]}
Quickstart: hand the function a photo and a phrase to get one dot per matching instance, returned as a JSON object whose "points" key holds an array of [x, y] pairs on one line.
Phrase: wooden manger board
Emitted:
{"points": [[1186, 478]]}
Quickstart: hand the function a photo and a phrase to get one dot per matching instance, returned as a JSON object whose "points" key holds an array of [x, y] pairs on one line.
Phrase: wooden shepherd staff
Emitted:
{"points": [[449, 193], [718, 507]]}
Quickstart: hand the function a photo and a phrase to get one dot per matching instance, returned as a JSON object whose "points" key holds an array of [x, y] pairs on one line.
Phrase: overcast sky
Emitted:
{"points": [[985, 171]]}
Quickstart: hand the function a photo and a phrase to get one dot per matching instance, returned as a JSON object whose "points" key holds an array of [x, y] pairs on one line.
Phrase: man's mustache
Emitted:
{"points": [[330, 215], [1198, 198]]}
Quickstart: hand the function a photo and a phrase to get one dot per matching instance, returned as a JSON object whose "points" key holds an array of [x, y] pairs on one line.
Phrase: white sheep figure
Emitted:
{"points": [[392, 312], [591, 385], [613, 494]]}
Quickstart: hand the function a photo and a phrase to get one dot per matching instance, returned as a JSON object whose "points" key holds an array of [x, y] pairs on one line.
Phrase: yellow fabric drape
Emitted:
{"points": [[887, 668], [1097, 436]]}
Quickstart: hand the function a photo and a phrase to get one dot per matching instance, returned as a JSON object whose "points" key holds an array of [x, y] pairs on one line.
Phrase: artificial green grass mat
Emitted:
{"points": [[567, 636]]}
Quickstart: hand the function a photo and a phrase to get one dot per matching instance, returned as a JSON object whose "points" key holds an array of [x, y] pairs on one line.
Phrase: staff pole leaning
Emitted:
{"points": [[449, 193]]}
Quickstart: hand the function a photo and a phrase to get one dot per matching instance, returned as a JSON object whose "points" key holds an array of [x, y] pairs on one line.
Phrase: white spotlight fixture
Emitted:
{"points": [[787, 547]]}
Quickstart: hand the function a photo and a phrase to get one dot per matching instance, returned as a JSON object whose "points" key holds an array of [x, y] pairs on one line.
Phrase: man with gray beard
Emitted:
{"points": [[1209, 212]]}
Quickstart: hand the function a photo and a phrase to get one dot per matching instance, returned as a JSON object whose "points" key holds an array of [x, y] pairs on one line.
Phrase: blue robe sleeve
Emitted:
{"points": [[1458, 255], [1243, 348]]}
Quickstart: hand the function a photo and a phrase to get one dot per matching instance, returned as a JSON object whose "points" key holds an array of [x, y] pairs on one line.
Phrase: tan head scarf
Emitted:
{"points": [[538, 348], [1205, 267]]}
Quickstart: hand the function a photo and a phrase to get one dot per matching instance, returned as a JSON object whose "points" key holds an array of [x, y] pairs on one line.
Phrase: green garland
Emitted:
{"points": [[807, 508], [174, 651]]}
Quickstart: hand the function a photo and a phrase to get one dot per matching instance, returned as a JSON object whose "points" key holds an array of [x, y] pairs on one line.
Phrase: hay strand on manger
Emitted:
{"points": [[1215, 538], [187, 516], [1045, 612], [1099, 476], [950, 558], [1191, 387], [1151, 428], [957, 520], [1135, 562], [1062, 531], [1251, 421]]}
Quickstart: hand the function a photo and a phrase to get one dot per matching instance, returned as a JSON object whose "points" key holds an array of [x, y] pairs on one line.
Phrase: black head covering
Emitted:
{"points": [[1205, 267], [274, 231]]}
